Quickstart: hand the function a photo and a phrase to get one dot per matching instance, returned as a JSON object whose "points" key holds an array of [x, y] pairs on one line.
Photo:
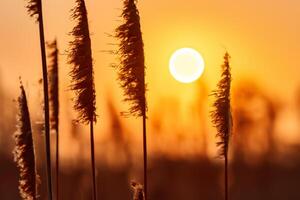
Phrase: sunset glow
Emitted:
{"points": [[186, 65], [151, 100]]}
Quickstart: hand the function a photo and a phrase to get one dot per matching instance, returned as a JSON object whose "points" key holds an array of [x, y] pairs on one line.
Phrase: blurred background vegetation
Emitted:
{"points": [[265, 158]]}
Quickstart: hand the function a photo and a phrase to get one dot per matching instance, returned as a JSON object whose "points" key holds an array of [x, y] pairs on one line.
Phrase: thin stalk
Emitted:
{"points": [[145, 157], [222, 118], [226, 176], [93, 160], [46, 103], [131, 69], [57, 164]]}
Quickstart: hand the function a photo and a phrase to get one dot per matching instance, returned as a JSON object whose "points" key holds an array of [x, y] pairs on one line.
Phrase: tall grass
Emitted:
{"points": [[82, 74], [34, 8], [138, 193], [118, 136], [221, 116], [24, 155], [54, 102], [117, 133], [131, 70]]}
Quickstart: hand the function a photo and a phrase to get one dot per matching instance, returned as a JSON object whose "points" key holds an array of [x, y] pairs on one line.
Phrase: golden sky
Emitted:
{"points": [[261, 36]]}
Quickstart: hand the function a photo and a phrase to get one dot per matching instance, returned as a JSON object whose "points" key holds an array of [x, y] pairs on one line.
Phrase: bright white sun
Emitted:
{"points": [[186, 65]]}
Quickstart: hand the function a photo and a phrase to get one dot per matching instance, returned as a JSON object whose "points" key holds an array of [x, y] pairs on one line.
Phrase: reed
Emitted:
{"points": [[53, 79], [131, 70], [24, 154], [138, 192], [34, 9], [222, 118], [82, 74], [117, 136]]}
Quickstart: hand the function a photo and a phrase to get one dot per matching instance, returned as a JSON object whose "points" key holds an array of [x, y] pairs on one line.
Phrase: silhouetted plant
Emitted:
{"points": [[24, 154], [80, 57], [131, 70], [221, 116], [271, 115], [54, 102], [118, 136], [115, 123], [34, 8], [138, 192]]}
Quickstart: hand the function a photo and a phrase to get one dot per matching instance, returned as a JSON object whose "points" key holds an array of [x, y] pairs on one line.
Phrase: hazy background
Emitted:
{"points": [[263, 40]]}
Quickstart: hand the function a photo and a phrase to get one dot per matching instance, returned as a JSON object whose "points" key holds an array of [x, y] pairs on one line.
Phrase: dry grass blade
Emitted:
{"points": [[24, 152]]}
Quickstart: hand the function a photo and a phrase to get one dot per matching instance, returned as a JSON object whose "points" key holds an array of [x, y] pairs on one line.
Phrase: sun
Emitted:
{"points": [[186, 65]]}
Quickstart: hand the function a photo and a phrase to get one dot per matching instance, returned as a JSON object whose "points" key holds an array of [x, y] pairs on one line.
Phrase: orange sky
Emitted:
{"points": [[261, 36]]}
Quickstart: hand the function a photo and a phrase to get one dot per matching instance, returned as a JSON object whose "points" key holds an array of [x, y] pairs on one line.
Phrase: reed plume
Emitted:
{"points": [[138, 192], [80, 57], [24, 155], [221, 115], [34, 9], [54, 102], [131, 70]]}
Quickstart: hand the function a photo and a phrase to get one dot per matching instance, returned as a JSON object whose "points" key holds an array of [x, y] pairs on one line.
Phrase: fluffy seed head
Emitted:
{"points": [[80, 57], [34, 8], [221, 115], [131, 69], [24, 151]]}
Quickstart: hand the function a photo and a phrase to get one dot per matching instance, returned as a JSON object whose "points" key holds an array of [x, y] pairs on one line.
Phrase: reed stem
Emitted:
{"points": [[93, 160], [57, 165], [46, 102], [226, 176], [145, 157]]}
